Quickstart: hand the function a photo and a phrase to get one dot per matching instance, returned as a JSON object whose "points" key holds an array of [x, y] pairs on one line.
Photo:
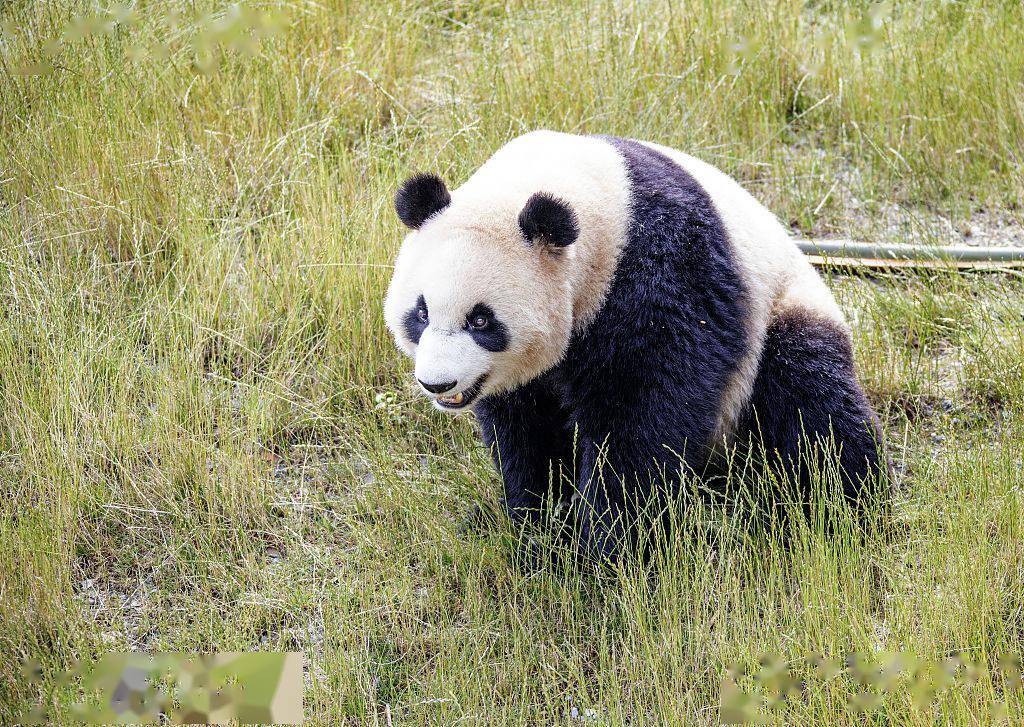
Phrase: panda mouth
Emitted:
{"points": [[464, 398]]}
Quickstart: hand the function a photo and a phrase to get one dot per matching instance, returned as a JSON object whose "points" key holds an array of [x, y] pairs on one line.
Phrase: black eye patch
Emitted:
{"points": [[411, 322], [494, 336]]}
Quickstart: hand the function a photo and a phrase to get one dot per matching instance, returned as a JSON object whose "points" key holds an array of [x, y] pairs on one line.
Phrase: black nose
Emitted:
{"points": [[438, 388]]}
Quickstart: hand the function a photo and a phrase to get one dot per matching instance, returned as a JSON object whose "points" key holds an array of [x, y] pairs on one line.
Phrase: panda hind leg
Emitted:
{"points": [[808, 413]]}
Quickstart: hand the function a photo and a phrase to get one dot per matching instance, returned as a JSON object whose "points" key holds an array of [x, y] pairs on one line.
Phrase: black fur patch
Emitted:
{"points": [[548, 220], [805, 396], [422, 196], [494, 337], [412, 324]]}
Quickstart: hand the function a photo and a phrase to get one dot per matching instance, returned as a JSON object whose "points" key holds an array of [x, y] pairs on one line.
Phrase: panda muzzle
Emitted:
{"points": [[463, 398]]}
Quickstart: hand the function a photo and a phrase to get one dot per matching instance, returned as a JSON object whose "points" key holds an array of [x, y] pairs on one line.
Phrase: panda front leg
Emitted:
{"points": [[599, 513], [530, 442]]}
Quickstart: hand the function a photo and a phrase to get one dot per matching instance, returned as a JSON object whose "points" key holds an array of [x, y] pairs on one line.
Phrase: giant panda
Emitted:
{"points": [[622, 311]]}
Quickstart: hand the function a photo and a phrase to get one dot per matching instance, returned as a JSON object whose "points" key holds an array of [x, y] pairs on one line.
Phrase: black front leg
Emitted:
{"points": [[531, 443]]}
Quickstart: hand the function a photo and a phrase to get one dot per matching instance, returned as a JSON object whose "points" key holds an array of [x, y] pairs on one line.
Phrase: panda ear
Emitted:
{"points": [[548, 220], [422, 196]]}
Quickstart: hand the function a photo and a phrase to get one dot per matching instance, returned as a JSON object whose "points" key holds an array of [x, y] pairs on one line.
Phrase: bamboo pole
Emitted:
{"points": [[853, 254]]}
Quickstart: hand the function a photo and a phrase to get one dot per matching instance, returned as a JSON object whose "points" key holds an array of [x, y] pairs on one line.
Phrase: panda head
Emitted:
{"points": [[480, 296]]}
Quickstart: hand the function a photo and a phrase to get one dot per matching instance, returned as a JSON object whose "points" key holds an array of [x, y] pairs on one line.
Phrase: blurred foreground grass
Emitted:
{"points": [[206, 437]]}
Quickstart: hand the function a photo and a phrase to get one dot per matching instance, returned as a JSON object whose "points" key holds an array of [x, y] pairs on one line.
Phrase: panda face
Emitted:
{"points": [[477, 316], [482, 304]]}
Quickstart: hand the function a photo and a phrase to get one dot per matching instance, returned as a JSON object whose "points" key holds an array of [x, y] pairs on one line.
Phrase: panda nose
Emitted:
{"points": [[438, 388]]}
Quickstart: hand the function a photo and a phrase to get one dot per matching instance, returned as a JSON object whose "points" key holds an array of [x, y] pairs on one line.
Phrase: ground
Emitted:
{"points": [[208, 441]]}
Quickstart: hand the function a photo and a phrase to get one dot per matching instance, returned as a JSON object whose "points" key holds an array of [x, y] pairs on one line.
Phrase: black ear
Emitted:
{"points": [[548, 220], [422, 196]]}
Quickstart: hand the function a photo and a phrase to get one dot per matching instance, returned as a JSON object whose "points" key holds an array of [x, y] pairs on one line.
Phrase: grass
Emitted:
{"points": [[208, 442]]}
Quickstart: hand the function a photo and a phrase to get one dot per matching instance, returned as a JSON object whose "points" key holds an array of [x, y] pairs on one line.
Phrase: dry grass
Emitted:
{"points": [[206, 438]]}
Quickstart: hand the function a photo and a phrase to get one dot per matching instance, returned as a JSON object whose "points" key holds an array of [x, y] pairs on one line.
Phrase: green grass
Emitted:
{"points": [[208, 441]]}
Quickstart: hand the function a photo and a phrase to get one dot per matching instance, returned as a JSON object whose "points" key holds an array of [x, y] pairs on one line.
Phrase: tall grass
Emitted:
{"points": [[207, 441]]}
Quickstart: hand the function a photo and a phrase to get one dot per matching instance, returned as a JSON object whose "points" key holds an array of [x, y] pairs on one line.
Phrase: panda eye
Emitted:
{"points": [[421, 313], [479, 322]]}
